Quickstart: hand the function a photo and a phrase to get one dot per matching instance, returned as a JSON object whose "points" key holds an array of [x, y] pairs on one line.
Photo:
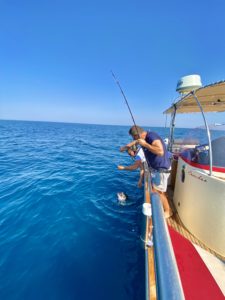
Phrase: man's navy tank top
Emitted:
{"points": [[156, 162]]}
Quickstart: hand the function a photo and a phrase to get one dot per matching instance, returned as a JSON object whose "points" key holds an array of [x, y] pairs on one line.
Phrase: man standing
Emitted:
{"points": [[158, 160]]}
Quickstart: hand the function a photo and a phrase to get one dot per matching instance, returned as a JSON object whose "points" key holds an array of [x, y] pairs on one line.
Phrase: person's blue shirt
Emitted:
{"points": [[156, 162]]}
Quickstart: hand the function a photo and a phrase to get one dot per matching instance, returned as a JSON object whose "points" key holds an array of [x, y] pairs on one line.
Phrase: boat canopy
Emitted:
{"points": [[211, 98]]}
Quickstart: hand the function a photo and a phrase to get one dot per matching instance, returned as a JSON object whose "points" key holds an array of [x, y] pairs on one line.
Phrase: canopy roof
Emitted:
{"points": [[211, 97]]}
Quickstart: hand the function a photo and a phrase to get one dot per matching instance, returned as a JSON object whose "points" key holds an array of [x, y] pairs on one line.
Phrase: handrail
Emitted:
{"points": [[208, 133], [168, 283], [146, 185], [172, 126]]}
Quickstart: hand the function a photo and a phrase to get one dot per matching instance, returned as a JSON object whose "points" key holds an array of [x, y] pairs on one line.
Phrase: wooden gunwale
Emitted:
{"points": [[150, 253]]}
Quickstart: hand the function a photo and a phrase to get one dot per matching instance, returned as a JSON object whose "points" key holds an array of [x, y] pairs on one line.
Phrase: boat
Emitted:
{"points": [[185, 255]]}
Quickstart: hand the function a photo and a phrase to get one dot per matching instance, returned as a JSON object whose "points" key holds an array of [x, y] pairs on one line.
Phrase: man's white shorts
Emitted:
{"points": [[159, 180]]}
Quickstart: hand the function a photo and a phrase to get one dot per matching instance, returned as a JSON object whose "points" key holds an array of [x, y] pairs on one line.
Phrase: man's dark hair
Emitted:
{"points": [[136, 130]]}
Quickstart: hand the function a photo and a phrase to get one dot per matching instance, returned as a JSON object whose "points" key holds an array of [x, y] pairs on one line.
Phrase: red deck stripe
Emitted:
{"points": [[197, 281], [204, 167]]}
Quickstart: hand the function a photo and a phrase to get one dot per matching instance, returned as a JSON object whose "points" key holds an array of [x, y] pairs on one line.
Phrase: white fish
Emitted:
{"points": [[121, 196]]}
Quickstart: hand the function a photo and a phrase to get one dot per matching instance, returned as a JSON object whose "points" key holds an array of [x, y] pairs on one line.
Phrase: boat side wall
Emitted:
{"points": [[200, 203]]}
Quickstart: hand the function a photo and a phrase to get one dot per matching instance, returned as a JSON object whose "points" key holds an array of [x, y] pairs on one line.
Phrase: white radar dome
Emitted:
{"points": [[188, 83]]}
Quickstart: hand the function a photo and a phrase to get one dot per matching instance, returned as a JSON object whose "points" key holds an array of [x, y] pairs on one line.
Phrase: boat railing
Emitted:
{"points": [[208, 133], [172, 126], [168, 283]]}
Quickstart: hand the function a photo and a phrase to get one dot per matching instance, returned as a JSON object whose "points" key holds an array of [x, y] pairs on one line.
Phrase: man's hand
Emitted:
{"points": [[140, 183], [156, 147], [122, 149], [142, 142], [120, 168], [128, 146]]}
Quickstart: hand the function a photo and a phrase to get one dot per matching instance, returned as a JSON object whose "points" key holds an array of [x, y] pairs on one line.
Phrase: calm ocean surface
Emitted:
{"points": [[63, 235]]}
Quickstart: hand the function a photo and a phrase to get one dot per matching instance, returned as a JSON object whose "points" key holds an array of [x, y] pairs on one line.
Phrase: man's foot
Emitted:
{"points": [[149, 242], [168, 214]]}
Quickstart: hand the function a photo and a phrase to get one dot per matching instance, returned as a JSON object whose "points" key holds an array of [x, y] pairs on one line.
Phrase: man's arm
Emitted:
{"points": [[156, 147], [133, 167], [126, 147], [142, 172]]}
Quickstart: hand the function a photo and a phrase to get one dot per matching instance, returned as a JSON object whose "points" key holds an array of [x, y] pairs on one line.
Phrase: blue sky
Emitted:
{"points": [[56, 57]]}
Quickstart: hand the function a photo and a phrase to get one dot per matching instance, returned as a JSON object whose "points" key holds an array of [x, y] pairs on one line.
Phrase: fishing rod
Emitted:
{"points": [[122, 92]]}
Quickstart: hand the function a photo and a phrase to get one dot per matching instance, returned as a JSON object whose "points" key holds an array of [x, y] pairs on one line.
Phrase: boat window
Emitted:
{"points": [[218, 151], [200, 154]]}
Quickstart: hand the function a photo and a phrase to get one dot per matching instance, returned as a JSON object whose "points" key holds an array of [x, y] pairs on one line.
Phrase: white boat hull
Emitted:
{"points": [[200, 203]]}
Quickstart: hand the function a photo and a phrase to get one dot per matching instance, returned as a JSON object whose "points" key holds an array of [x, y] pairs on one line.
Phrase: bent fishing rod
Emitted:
{"points": [[125, 98]]}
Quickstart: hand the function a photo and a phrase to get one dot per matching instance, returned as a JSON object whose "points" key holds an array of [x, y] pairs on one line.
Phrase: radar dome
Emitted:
{"points": [[188, 83]]}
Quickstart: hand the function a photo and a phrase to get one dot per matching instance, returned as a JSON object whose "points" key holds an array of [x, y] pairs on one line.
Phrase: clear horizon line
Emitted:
{"points": [[100, 124]]}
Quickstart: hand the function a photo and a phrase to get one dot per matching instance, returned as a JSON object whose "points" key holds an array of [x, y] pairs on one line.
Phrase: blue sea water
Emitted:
{"points": [[63, 234]]}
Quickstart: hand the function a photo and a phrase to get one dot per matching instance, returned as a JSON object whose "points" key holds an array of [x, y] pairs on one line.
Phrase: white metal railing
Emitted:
{"points": [[168, 283]]}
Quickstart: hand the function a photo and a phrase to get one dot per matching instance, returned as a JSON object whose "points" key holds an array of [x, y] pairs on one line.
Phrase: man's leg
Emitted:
{"points": [[159, 182], [165, 203]]}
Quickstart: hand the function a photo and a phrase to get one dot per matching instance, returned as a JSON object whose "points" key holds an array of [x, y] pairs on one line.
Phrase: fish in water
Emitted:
{"points": [[121, 196]]}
